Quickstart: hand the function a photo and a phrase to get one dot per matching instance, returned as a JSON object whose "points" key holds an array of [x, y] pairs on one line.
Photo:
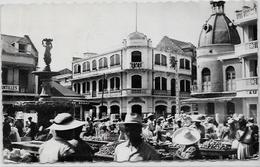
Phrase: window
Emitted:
{"points": [[206, 84], [157, 59], [160, 59], [252, 32], [87, 87], [173, 87], [137, 109], [253, 68], [22, 48], [84, 87], [114, 60], [210, 109], [94, 86], [185, 86], [102, 63], [94, 65], [136, 56], [4, 75], [230, 78], [230, 108], [102, 87], [184, 64], [115, 83], [77, 88], [136, 81], [253, 111], [23, 80], [86, 66], [77, 68], [160, 83]]}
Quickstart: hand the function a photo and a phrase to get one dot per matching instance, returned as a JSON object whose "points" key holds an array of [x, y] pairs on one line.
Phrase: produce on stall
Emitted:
{"points": [[214, 144]]}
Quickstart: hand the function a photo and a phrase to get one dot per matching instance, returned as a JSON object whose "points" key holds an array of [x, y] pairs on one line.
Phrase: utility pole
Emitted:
{"points": [[174, 64]]}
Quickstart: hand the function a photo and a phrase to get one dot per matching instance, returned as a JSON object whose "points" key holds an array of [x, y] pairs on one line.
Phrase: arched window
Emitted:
{"points": [[77, 68], [94, 65], [230, 78], [88, 66], [114, 109], [84, 87], [173, 87], [185, 86], [102, 87], [136, 56], [230, 108], [160, 59], [157, 83], [102, 111], [161, 110], [206, 84], [137, 109], [115, 83], [160, 83], [136, 81], [75, 87], [84, 67], [114, 60], [87, 87], [102, 62]]}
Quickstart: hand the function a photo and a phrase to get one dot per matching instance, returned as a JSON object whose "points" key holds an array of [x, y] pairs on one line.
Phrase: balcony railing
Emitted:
{"points": [[247, 83], [246, 13], [136, 65], [247, 48], [138, 91], [161, 92], [201, 88]]}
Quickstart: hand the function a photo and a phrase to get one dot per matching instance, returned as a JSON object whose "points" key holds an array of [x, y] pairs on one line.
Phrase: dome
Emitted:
{"points": [[136, 35], [218, 29]]}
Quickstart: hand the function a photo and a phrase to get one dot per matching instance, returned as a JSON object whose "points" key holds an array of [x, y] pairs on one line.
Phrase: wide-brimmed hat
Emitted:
{"points": [[132, 118], [150, 115], [65, 121], [186, 136]]}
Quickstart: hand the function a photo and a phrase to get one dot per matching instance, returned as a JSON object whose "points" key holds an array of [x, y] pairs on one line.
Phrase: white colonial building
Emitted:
{"points": [[227, 65], [136, 76]]}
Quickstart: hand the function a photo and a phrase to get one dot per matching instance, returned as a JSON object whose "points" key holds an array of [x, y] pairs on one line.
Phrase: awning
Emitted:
{"points": [[205, 100]]}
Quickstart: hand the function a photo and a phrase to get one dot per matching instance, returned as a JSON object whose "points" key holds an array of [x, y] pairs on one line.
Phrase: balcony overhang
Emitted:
{"points": [[206, 100]]}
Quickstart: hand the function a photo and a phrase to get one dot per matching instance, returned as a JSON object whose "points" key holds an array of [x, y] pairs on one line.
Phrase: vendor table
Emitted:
{"points": [[217, 153], [30, 146]]}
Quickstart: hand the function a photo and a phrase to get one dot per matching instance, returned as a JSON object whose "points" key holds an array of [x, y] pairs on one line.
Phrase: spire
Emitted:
{"points": [[136, 17]]}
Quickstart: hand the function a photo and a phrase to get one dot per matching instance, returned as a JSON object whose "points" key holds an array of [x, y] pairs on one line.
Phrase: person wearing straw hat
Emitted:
{"points": [[188, 138], [65, 144], [134, 148]]}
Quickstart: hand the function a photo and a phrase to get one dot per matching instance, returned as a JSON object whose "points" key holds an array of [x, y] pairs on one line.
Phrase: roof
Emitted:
{"points": [[8, 40], [218, 29], [59, 90], [174, 45], [65, 71], [136, 35]]}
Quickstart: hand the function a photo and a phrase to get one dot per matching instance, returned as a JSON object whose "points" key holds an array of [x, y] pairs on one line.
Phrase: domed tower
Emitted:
{"points": [[137, 39], [217, 38]]}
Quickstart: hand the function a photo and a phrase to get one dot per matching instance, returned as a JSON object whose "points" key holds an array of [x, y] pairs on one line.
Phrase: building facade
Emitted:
{"points": [[135, 77], [227, 65], [64, 78], [19, 59]]}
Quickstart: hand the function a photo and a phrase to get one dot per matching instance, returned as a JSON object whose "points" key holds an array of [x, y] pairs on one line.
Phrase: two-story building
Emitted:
{"points": [[134, 77], [226, 65], [19, 59]]}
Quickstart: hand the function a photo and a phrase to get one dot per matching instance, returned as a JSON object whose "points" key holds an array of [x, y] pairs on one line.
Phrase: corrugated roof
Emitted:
{"points": [[59, 90]]}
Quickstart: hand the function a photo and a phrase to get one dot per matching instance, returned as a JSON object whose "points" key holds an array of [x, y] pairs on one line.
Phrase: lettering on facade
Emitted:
{"points": [[252, 92], [13, 88]]}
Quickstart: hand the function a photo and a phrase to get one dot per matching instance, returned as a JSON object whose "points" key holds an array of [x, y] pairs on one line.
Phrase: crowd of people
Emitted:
{"points": [[64, 138]]}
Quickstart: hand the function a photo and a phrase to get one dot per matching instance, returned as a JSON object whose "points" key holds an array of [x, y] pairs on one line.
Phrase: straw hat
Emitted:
{"points": [[150, 115], [186, 136], [65, 121], [132, 118]]}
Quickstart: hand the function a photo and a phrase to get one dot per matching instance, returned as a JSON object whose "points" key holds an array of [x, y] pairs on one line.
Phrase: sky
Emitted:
{"points": [[101, 27]]}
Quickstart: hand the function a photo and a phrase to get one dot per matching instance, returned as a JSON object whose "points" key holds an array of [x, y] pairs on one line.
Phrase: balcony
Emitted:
{"points": [[204, 88], [247, 48], [137, 91], [247, 87], [136, 65], [161, 92], [245, 15]]}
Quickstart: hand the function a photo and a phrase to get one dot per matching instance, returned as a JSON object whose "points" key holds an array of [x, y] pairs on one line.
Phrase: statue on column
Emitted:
{"points": [[47, 54]]}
